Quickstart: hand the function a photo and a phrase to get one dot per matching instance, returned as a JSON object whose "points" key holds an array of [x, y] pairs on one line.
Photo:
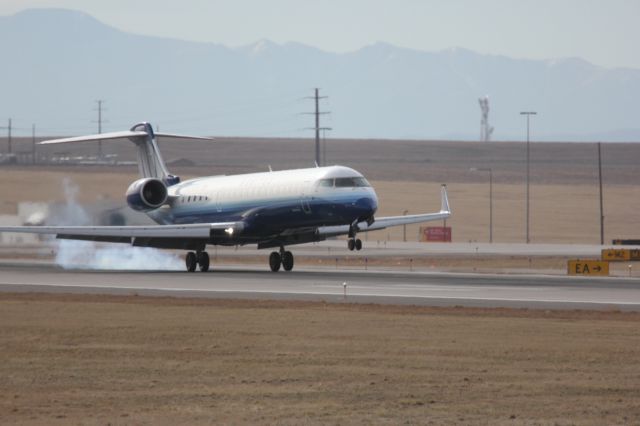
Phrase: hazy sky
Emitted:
{"points": [[604, 32]]}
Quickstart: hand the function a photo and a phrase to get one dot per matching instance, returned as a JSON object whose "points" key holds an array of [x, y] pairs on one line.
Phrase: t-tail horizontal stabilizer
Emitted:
{"points": [[150, 160], [128, 134]]}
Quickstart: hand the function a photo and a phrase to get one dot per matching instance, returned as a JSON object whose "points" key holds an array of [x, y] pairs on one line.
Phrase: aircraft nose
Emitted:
{"points": [[367, 206]]}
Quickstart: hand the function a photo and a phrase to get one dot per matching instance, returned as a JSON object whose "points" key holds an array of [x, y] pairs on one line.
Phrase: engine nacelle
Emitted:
{"points": [[146, 194]]}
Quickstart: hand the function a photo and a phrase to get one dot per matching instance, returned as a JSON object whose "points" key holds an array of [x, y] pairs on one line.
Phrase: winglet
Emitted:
{"points": [[444, 203]]}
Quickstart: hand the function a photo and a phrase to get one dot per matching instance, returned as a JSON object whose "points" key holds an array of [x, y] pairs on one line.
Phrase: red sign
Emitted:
{"points": [[437, 233]]}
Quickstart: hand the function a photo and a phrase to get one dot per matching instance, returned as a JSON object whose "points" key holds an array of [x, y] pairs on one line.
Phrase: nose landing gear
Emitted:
{"points": [[354, 244], [194, 259], [283, 258]]}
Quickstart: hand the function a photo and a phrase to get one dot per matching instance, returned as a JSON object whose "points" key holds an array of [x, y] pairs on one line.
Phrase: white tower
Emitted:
{"points": [[485, 129]]}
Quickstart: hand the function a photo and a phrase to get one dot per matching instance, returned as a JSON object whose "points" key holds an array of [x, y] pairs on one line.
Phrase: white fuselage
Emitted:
{"points": [[221, 198]]}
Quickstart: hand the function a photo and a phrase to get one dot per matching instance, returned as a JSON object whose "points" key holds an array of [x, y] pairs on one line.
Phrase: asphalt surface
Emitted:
{"points": [[374, 248], [418, 288]]}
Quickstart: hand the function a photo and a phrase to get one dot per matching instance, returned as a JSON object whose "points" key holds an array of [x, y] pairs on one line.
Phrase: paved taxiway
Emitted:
{"points": [[420, 288]]}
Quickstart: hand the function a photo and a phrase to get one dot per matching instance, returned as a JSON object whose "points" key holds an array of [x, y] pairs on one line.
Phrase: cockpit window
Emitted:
{"points": [[345, 182], [351, 182], [360, 181]]}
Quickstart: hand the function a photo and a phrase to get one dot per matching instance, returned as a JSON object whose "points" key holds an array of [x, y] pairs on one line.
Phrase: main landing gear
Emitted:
{"points": [[354, 244], [194, 259], [283, 258]]}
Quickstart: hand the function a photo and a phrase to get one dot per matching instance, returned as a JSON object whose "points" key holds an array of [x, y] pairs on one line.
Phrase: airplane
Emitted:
{"points": [[274, 209]]}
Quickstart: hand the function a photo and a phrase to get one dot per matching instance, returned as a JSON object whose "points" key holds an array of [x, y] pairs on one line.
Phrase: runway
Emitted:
{"points": [[417, 288]]}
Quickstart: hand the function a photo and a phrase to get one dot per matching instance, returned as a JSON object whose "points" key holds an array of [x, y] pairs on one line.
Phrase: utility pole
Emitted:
{"points": [[318, 160], [33, 144], [317, 128], [99, 102], [9, 131], [324, 147], [404, 227], [491, 205], [490, 170], [601, 201], [8, 135], [528, 114]]}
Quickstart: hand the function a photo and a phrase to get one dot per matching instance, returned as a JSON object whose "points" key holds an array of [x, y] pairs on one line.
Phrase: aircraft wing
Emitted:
{"points": [[386, 222], [161, 236]]}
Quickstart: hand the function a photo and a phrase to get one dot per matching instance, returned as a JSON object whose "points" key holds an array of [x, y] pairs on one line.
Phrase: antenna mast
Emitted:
{"points": [[485, 129]]}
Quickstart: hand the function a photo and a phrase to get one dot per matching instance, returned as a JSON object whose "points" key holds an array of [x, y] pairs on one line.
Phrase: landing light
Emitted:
{"points": [[229, 231]]}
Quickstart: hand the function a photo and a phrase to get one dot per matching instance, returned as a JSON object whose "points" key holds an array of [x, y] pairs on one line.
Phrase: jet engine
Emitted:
{"points": [[146, 194]]}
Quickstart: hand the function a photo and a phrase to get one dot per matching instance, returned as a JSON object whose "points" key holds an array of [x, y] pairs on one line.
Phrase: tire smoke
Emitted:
{"points": [[73, 254]]}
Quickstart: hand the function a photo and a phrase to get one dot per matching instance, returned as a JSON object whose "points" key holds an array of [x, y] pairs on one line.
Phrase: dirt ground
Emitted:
{"points": [[135, 360]]}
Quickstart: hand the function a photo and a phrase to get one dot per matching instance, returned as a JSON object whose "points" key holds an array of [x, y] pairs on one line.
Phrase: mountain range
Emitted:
{"points": [[58, 62]]}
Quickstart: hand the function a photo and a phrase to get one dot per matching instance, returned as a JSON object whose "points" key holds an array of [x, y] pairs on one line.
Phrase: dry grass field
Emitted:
{"points": [[136, 360], [406, 175], [560, 213], [388, 160]]}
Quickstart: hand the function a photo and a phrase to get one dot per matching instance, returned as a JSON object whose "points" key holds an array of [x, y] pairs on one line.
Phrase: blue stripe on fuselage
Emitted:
{"points": [[261, 218]]}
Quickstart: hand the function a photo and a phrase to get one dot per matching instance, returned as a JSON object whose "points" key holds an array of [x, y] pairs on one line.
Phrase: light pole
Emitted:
{"points": [[404, 227], [528, 114], [488, 169], [601, 203]]}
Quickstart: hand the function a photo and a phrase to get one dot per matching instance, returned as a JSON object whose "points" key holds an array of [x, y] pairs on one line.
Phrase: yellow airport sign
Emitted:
{"points": [[620, 255], [588, 267]]}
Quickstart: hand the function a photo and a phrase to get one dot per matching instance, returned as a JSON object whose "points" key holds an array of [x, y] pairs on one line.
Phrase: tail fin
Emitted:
{"points": [[150, 162]]}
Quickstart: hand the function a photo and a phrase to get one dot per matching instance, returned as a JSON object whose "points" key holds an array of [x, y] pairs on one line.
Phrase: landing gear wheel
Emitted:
{"points": [[358, 244], [191, 261], [287, 260], [351, 244], [275, 260], [203, 261]]}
